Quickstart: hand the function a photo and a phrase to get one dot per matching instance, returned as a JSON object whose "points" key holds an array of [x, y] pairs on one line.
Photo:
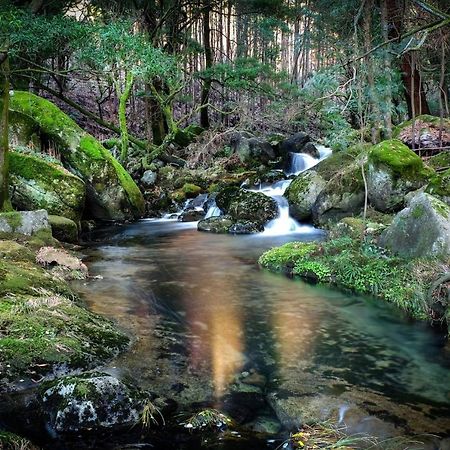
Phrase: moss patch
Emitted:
{"points": [[361, 266], [440, 184], [63, 229], [402, 161]]}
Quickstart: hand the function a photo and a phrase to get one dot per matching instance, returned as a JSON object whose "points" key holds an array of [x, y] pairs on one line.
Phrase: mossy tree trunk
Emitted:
{"points": [[123, 99], [4, 135]]}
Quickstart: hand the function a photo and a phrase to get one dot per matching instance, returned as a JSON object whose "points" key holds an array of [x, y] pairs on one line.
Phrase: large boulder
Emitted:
{"points": [[420, 230], [251, 149], [393, 171], [38, 184], [332, 189], [111, 192], [90, 401], [63, 229], [27, 223], [253, 207], [294, 144], [303, 192]]}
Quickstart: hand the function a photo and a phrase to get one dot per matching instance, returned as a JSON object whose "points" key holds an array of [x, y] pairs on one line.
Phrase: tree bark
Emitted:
{"points": [[4, 133], [204, 116]]}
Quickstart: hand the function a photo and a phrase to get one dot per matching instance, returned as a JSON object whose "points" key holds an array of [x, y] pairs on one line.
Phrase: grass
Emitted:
{"points": [[9, 441], [207, 419], [150, 414]]}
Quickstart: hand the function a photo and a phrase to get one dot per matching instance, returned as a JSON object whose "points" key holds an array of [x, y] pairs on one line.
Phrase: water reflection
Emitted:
{"points": [[204, 315]]}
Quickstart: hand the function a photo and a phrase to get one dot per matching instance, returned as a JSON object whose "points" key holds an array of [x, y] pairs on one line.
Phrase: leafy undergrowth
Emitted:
{"points": [[360, 266], [9, 441], [43, 325]]}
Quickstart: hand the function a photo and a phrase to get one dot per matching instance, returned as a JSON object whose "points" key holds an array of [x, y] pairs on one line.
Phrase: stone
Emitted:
{"points": [[420, 230], [92, 401], [51, 256], [303, 192], [192, 215], [39, 184], [220, 225], [24, 222], [63, 229], [439, 186], [252, 149], [149, 178], [246, 227], [311, 149], [252, 207], [393, 171], [295, 143], [111, 193]]}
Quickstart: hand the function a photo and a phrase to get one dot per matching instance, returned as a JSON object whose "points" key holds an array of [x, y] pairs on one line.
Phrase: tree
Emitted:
{"points": [[4, 127]]}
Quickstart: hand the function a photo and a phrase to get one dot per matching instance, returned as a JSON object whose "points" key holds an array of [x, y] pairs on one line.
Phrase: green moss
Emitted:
{"points": [[63, 229], [81, 152], [14, 219], [362, 267], [191, 190], [399, 159], [440, 161], [440, 184]]}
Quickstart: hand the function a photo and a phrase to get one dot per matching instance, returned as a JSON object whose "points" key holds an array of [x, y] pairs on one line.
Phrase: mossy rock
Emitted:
{"points": [[63, 229], [218, 225], [441, 161], [439, 186], [111, 192], [393, 171], [254, 207], [191, 190], [38, 184], [26, 223]]}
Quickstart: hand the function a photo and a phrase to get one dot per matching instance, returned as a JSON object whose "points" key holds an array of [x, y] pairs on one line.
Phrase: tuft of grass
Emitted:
{"points": [[150, 415], [10, 441], [208, 419]]}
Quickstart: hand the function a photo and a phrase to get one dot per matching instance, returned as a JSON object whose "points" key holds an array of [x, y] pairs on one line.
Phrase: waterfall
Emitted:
{"points": [[284, 223], [213, 211]]}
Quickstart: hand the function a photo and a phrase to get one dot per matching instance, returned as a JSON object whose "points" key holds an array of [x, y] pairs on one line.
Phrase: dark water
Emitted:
{"points": [[213, 329]]}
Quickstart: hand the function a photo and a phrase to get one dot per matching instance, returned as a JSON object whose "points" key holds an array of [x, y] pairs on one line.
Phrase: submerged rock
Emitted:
{"points": [[220, 225], [420, 230], [39, 184], [111, 193], [90, 401], [393, 171], [246, 227]]}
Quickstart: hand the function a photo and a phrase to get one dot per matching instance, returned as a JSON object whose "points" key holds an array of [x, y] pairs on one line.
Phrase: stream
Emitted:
{"points": [[214, 330]]}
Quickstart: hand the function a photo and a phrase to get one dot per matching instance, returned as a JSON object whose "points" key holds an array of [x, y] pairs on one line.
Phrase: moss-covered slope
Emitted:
{"points": [[111, 192]]}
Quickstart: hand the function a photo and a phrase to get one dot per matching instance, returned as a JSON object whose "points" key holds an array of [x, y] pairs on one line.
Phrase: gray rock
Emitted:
{"points": [[149, 178], [250, 148], [311, 149], [92, 401], [294, 144], [253, 207], [191, 215], [220, 225], [24, 222], [303, 193], [420, 230], [246, 227], [393, 171]]}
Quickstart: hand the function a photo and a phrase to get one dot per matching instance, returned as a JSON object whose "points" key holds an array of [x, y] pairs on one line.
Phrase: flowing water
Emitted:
{"points": [[213, 329]]}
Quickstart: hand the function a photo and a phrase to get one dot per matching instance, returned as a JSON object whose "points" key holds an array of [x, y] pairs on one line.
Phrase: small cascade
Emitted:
{"points": [[284, 223], [213, 211]]}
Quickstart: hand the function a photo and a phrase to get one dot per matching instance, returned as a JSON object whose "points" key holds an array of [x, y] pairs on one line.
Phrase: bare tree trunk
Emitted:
{"points": [[387, 103], [4, 134], [204, 117]]}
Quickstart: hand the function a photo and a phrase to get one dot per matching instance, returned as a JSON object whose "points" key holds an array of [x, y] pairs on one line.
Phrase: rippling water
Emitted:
{"points": [[207, 318]]}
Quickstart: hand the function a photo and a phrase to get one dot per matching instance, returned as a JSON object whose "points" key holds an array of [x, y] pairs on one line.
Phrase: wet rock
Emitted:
{"points": [[149, 178], [246, 227], [219, 225], [63, 229], [265, 424], [243, 406], [24, 222], [197, 202], [253, 207], [191, 215], [420, 230], [311, 149], [393, 171], [91, 401], [294, 144], [251, 149], [303, 192]]}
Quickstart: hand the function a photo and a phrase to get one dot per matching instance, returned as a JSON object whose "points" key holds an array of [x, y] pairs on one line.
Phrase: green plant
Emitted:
{"points": [[208, 418], [150, 414]]}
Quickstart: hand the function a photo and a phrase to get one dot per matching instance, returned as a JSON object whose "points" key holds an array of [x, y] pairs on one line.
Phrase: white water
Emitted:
{"points": [[284, 223], [213, 211]]}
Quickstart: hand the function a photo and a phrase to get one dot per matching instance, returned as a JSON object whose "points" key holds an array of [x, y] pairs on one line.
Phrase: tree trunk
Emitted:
{"points": [[204, 117], [4, 134], [387, 93], [123, 99]]}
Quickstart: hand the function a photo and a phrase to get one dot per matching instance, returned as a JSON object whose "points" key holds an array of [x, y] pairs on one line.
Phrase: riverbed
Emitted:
{"points": [[214, 330]]}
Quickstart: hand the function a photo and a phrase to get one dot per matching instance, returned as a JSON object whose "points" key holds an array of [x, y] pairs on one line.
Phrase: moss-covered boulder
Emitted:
{"points": [[253, 207], [111, 192], [393, 171], [39, 184], [63, 229], [420, 230], [219, 225], [439, 186], [426, 133], [303, 192], [90, 401]]}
